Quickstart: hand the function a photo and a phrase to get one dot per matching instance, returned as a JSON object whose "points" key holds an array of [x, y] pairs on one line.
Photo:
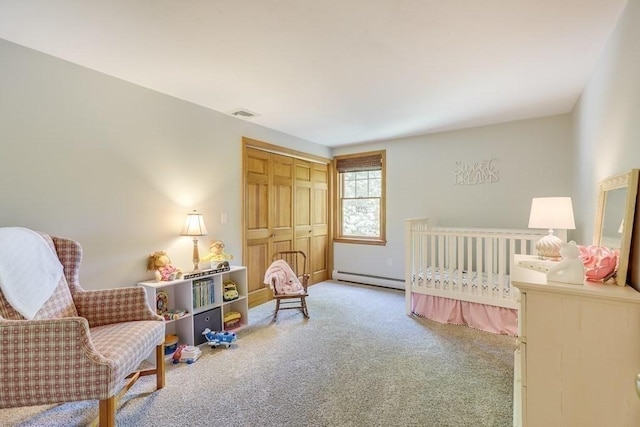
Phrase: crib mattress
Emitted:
{"points": [[462, 279]]}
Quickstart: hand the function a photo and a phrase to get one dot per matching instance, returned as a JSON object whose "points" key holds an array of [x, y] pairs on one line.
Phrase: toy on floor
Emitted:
{"points": [[215, 339], [176, 354], [186, 354]]}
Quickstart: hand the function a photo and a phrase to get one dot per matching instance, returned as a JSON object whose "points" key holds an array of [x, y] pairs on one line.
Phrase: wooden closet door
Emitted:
{"points": [[319, 246], [312, 217], [281, 215], [287, 206], [268, 216], [303, 208]]}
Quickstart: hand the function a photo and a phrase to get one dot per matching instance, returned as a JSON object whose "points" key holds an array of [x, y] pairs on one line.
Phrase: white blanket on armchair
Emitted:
{"points": [[29, 269]]}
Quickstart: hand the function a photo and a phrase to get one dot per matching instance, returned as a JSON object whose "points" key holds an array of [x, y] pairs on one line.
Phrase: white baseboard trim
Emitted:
{"points": [[368, 279]]}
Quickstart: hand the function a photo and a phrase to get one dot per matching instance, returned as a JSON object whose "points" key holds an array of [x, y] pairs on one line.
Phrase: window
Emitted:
{"points": [[360, 198]]}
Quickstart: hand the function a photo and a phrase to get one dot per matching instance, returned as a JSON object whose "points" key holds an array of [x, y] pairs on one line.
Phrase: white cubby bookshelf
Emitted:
{"points": [[181, 295]]}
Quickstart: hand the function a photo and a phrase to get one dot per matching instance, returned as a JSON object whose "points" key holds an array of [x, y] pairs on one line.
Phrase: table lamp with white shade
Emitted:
{"points": [[194, 226], [551, 213]]}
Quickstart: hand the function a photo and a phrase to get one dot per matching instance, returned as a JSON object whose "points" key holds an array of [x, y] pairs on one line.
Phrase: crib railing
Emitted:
{"points": [[468, 264]]}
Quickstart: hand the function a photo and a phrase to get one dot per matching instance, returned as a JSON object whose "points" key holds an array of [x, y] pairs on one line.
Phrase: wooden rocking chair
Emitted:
{"points": [[297, 260]]}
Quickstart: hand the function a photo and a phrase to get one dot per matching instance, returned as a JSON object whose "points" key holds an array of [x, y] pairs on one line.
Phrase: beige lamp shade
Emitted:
{"points": [[194, 226], [550, 213]]}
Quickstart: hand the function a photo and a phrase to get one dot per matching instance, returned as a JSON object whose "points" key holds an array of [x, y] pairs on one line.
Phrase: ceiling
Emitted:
{"points": [[335, 72]]}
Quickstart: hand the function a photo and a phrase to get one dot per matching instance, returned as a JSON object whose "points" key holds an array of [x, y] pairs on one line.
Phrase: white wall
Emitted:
{"points": [[117, 166], [607, 116], [532, 158], [600, 138], [607, 121]]}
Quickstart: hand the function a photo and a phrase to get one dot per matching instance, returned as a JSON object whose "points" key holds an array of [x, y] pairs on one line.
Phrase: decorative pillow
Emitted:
{"points": [[600, 263]]}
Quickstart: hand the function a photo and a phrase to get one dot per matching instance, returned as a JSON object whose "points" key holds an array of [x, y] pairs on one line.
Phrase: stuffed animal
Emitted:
{"points": [[570, 268], [216, 253], [160, 263]]}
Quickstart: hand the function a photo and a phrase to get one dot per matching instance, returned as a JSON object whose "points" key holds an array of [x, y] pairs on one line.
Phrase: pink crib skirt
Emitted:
{"points": [[498, 320]]}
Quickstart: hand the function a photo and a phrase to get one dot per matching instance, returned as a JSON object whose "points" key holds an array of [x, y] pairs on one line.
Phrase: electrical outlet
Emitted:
{"points": [[223, 218], [389, 262]]}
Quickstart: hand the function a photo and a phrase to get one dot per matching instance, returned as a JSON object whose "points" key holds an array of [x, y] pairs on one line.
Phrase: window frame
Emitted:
{"points": [[338, 228]]}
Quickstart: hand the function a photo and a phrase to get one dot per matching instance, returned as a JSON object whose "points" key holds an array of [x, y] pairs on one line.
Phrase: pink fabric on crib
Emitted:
{"points": [[498, 320]]}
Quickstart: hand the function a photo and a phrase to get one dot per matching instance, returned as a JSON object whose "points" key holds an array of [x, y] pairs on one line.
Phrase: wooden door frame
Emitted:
{"points": [[275, 149]]}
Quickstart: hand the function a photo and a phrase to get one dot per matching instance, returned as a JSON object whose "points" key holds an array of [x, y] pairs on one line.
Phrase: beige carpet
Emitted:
{"points": [[359, 361]]}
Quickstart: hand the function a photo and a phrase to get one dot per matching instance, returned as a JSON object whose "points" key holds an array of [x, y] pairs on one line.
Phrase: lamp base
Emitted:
{"points": [[548, 247], [196, 255]]}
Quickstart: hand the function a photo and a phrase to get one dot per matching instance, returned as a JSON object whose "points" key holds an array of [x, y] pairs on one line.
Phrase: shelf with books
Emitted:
{"points": [[198, 298]]}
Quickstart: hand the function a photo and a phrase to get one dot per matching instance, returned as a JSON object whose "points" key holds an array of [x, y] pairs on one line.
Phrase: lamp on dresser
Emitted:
{"points": [[551, 213], [194, 226]]}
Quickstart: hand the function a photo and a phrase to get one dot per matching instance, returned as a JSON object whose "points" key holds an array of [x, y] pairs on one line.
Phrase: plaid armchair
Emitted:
{"points": [[80, 345]]}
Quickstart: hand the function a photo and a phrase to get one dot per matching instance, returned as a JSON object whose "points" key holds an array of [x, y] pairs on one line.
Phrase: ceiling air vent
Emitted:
{"points": [[243, 113]]}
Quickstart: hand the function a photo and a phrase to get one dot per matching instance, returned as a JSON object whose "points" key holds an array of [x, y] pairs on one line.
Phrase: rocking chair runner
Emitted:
{"points": [[80, 345], [297, 261]]}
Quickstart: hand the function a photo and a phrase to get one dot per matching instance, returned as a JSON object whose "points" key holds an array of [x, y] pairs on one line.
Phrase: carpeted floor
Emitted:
{"points": [[358, 361]]}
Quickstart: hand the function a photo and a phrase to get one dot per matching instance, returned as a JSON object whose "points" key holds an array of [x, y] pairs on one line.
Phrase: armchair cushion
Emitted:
{"points": [[48, 361]]}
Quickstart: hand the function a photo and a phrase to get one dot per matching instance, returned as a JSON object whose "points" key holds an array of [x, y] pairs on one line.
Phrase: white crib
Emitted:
{"points": [[461, 275]]}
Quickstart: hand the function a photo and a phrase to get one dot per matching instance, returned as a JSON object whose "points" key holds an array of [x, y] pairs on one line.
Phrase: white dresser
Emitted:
{"points": [[578, 353]]}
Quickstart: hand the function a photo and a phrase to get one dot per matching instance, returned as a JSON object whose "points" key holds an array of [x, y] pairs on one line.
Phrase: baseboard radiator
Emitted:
{"points": [[368, 279]]}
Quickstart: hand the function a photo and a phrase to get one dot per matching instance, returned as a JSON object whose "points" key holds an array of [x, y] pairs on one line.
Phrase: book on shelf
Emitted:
{"points": [[203, 292]]}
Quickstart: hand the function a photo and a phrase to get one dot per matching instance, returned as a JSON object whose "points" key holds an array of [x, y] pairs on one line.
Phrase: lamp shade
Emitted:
{"points": [[194, 225], [552, 212]]}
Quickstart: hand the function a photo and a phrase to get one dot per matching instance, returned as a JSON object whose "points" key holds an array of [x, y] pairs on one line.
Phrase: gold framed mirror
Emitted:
{"points": [[615, 217]]}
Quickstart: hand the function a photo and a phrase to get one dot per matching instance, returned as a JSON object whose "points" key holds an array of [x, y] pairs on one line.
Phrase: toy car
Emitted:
{"points": [[230, 291], [215, 339]]}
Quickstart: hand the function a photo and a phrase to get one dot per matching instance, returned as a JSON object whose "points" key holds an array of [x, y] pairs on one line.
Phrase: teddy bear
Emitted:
{"points": [[160, 263], [216, 253], [570, 268]]}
